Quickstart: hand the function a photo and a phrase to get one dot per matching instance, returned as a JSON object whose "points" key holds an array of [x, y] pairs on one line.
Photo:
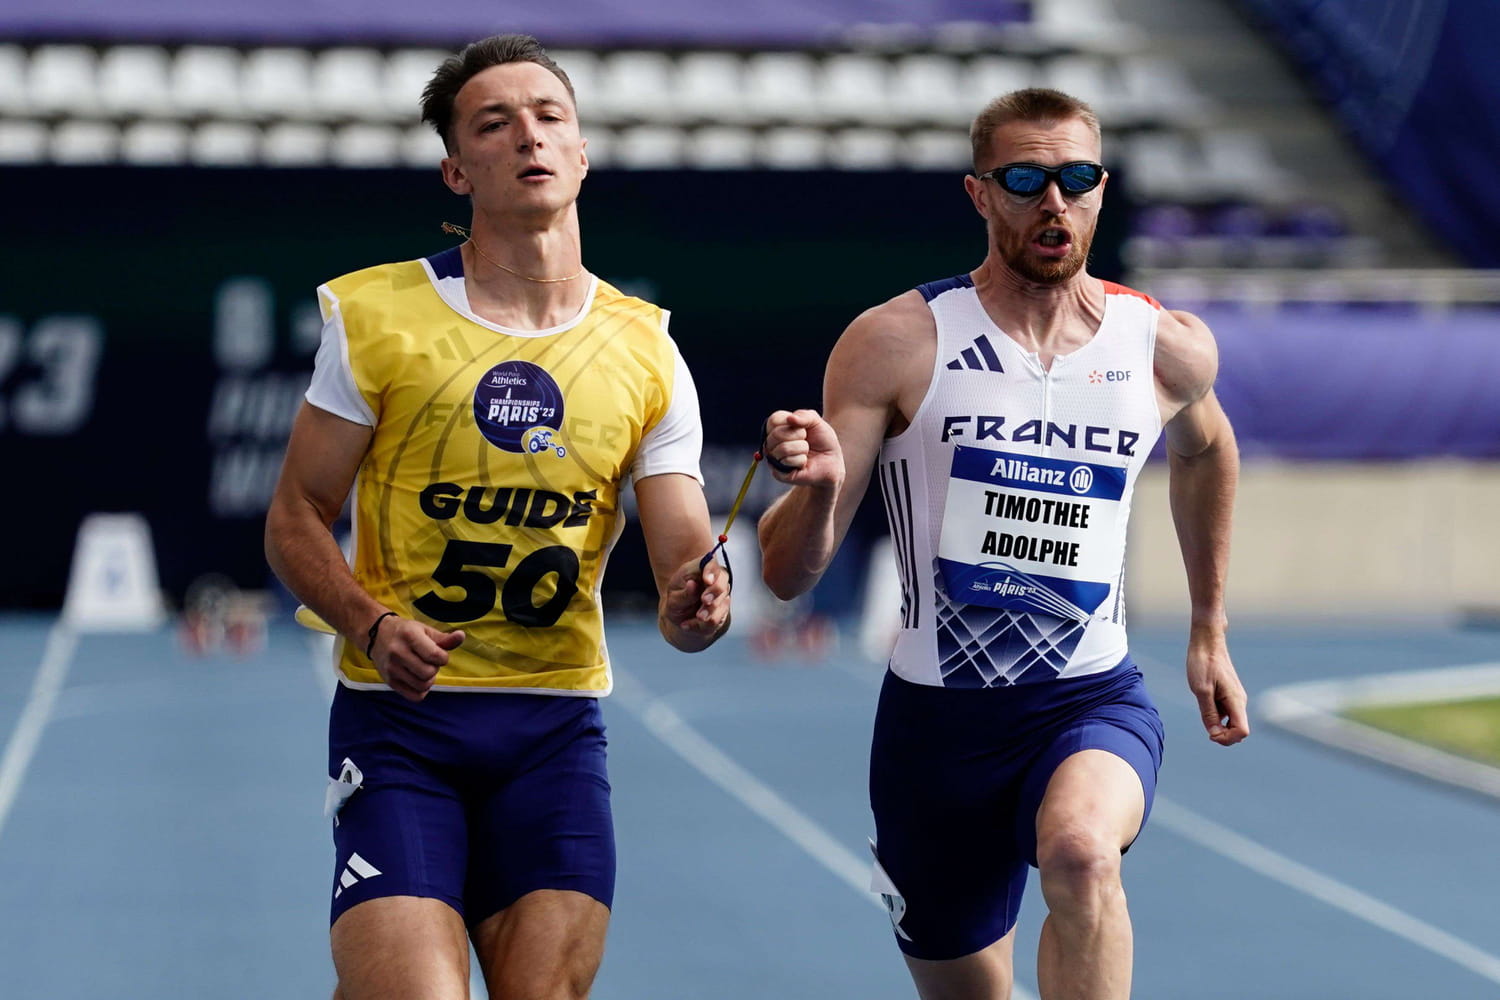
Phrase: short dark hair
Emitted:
{"points": [[1034, 104], [476, 57]]}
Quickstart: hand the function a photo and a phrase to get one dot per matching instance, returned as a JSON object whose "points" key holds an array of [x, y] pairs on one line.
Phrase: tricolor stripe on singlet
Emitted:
{"points": [[933, 289], [1114, 288], [895, 484]]}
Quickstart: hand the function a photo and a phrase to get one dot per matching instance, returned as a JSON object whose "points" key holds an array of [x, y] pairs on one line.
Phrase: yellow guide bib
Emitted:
{"points": [[489, 499]]}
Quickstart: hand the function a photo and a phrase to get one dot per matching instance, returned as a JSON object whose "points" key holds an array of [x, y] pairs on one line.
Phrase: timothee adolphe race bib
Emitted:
{"points": [[1031, 534]]}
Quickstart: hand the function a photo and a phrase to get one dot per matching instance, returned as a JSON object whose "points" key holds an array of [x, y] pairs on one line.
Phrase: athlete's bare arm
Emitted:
{"points": [[322, 458], [694, 605], [1203, 465], [877, 375]]}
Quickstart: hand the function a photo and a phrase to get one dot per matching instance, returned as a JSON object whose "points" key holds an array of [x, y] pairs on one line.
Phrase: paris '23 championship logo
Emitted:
{"points": [[518, 408]]}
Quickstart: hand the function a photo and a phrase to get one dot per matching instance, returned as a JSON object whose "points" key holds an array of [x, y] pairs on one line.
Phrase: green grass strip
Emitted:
{"points": [[1468, 728]]}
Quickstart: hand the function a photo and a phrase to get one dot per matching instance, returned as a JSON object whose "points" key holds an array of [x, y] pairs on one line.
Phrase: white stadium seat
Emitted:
{"points": [[85, 143], [600, 146], [23, 142], [721, 147], [781, 87], [63, 80], [582, 69], [135, 81], [937, 149], [346, 84], [205, 82], [928, 89], [864, 149], [1091, 25], [13, 99], [990, 76], [154, 143], [710, 87], [794, 148], [277, 85], [420, 147], [855, 88], [634, 86], [1242, 162], [650, 147], [1158, 90], [1088, 78], [224, 144], [406, 74], [1162, 167], [363, 144], [294, 144]]}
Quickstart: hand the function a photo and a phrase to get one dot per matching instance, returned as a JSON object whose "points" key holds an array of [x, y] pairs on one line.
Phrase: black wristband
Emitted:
{"points": [[374, 631], [765, 452]]}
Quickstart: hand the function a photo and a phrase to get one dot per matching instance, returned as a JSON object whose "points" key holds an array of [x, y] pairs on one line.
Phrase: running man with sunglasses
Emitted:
{"points": [[1007, 413]]}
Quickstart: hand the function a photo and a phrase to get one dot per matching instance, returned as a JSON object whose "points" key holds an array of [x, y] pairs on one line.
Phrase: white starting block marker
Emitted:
{"points": [[112, 586]]}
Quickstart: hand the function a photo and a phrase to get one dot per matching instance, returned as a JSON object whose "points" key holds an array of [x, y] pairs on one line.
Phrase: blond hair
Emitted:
{"points": [[1034, 104]]}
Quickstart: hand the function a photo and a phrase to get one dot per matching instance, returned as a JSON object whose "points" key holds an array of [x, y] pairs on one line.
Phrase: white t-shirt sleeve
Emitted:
{"points": [[332, 387], [675, 444]]}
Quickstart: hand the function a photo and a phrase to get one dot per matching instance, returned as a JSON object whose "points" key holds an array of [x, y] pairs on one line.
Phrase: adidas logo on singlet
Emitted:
{"points": [[980, 358]]}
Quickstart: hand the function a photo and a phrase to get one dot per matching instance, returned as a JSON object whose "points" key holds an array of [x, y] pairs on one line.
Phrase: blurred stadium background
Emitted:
{"points": [[1307, 175]]}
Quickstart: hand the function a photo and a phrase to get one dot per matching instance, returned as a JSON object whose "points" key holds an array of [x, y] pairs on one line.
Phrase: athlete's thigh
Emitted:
{"points": [[546, 944], [985, 975], [944, 797], [1092, 793], [401, 828], [401, 947], [548, 825], [1097, 775]]}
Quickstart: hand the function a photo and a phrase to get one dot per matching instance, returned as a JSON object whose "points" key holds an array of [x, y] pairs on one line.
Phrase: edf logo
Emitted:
{"points": [[1096, 377]]}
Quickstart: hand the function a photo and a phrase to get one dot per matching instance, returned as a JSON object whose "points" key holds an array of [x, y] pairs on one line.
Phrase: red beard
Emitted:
{"points": [[1048, 271]]}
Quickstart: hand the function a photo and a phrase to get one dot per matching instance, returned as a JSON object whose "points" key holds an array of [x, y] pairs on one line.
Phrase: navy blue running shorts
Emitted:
{"points": [[474, 799], [956, 779]]}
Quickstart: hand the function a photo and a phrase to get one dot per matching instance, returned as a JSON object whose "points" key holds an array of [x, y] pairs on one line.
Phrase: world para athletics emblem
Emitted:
{"points": [[518, 408], [1082, 479]]}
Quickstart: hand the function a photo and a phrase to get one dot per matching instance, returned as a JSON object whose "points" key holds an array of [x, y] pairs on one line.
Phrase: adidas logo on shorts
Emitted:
{"points": [[357, 869]]}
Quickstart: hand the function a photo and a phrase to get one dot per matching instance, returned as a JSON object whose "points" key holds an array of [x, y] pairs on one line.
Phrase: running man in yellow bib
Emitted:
{"points": [[486, 404]]}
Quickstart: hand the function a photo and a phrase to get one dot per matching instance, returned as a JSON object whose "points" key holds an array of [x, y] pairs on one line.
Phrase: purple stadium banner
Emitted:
{"points": [[574, 22], [1352, 383]]}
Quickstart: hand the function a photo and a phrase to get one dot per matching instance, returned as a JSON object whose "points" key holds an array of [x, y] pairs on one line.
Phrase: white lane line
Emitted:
{"points": [[1279, 868], [62, 641], [669, 727], [1460, 682], [718, 767], [1262, 860], [1225, 842], [1315, 709]]}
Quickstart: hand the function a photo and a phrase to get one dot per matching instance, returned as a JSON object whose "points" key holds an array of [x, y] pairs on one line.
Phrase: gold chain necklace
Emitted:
{"points": [[449, 227]]}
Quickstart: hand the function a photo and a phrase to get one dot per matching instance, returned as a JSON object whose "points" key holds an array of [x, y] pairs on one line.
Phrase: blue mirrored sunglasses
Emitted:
{"points": [[1029, 179]]}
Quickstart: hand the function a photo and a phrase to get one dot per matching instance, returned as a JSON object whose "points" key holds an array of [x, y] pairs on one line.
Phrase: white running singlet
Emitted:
{"points": [[1008, 496]]}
